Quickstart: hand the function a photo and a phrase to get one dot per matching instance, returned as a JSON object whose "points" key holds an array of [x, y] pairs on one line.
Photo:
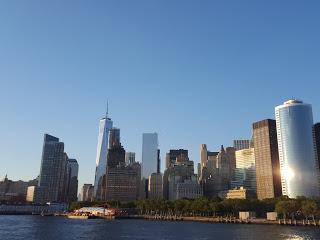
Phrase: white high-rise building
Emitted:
{"points": [[101, 160], [149, 154]]}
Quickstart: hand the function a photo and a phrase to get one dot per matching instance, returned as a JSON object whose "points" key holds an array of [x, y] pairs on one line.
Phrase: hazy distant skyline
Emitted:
{"points": [[194, 72]]}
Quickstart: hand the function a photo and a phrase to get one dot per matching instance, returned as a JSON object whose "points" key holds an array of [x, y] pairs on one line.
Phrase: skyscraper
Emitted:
{"points": [[52, 171], [266, 159], [241, 144], [114, 138], [149, 154], [297, 152], [72, 180], [116, 153], [122, 181], [317, 140], [101, 159]]}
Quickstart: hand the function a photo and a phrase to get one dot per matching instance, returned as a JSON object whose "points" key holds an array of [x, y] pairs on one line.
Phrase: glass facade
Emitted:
{"points": [[149, 154], [297, 153], [101, 160], [245, 172]]}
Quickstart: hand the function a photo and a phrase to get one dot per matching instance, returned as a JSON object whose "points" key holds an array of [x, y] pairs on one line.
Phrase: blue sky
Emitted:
{"points": [[193, 71]]}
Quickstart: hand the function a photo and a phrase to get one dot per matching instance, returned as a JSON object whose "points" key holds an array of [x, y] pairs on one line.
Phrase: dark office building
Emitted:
{"points": [[52, 171], [173, 154], [122, 182], [317, 140], [266, 159], [158, 162], [71, 185]]}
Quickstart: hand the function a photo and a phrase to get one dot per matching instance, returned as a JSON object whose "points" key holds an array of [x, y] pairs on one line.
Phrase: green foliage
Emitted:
{"points": [[214, 206]]}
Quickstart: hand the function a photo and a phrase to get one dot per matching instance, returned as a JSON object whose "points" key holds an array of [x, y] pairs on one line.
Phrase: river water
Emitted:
{"points": [[52, 228]]}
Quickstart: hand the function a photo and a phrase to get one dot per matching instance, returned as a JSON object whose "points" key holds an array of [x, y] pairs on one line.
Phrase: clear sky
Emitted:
{"points": [[193, 71]]}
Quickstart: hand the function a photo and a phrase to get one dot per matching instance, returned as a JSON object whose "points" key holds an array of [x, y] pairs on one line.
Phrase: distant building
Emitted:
{"points": [[72, 180], [179, 176], [297, 150], [14, 191], [188, 189], [245, 172], [203, 155], [116, 152], [31, 194], [155, 188], [239, 193], [105, 125], [123, 183], [317, 142], [217, 171], [52, 172], [149, 154], [130, 158], [171, 157], [87, 193], [114, 138], [266, 159], [241, 144], [158, 162]]}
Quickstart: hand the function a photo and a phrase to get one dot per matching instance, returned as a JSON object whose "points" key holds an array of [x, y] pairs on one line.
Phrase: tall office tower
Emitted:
{"points": [[159, 162], [122, 181], [241, 144], [149, 154], [72, 180], [245, 172], [266, 159], [114, 137], [116, 153], [52, 172], [130, 158], [297, 151], [317, 141], [101, 160]]}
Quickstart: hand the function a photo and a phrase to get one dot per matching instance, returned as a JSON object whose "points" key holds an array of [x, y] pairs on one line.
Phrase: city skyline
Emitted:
{"points": [[217, 71]]}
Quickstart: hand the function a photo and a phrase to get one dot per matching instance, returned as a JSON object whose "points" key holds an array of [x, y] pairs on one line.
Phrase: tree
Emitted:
{"points": [[309, 208]]}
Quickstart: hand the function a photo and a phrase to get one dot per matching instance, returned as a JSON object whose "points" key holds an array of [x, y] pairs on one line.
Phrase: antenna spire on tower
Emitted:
{"points": [[107, 109]]}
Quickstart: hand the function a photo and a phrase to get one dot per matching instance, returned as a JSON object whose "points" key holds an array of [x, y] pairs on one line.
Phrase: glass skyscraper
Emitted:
{"points": [[52, 171], [101, 160], [297, 152], [149, 154]]}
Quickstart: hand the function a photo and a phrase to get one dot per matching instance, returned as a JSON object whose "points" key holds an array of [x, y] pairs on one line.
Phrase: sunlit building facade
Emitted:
{"points": [[297, 152], [266, 159], [101, 159]]}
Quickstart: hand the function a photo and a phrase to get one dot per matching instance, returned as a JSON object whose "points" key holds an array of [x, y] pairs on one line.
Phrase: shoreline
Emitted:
{"points": [[255, 221], [221, 220]]}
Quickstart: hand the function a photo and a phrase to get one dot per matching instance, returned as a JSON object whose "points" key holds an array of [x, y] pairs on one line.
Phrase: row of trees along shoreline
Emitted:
{"points": [[295, 209]]}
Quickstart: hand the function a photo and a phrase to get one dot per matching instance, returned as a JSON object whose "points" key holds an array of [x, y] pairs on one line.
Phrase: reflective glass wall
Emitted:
{"points": [[299, 175]]}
